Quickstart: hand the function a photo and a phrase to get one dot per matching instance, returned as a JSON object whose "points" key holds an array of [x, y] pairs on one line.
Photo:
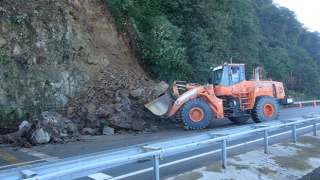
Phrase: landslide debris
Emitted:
{"points": [[48, 127], [116, 99], [111, 103]]}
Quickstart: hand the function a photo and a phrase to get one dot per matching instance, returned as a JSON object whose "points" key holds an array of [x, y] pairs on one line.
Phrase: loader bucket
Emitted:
{"points": [[161, 106]]}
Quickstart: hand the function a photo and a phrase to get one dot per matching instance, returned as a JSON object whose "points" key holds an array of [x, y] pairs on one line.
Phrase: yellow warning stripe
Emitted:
{"points": [[13, 160]]}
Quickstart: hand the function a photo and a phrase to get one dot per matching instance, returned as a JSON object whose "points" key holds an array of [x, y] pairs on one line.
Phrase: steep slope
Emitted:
{"points": [[50, 49]]}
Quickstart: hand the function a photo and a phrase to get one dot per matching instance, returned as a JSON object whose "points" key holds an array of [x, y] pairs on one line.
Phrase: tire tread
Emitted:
{"points": [[185, 112], [255, 115]]}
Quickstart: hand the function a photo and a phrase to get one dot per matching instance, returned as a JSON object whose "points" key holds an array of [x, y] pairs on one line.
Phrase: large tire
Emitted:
{"points": [[265, 109], [239, 120], [196, 114]]}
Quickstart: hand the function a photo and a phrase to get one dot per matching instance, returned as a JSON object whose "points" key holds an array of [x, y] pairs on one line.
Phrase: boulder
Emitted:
{"points": [[92, 117], [12, 137], [39, 136], [103, 111], [71, 128], [47, 126], [90, 107], [136, 93], [24, 123], [56, 125], [70, 111], [161, 88], [108, 131], [126, 101], [53, 123], [28, 130], [154, 128], [89, 131], [137, 125], [97, 124]]}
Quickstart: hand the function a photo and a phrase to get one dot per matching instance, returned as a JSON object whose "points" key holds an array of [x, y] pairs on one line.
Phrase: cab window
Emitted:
{"points": [[220, 76], [242, 75], [235, 74]]}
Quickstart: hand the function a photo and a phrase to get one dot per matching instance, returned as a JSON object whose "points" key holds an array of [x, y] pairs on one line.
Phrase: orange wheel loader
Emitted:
{"points": [[231, 95]]}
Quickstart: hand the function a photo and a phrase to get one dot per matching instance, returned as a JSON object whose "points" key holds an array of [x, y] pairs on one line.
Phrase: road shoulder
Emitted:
{"points": [[286, 160]]}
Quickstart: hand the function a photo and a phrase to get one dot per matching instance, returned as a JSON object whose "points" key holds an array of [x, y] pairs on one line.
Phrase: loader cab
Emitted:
{"points": [[228, 74]]}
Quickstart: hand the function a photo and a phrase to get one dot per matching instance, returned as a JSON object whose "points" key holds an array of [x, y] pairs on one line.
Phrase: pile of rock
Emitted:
{"points": [[48, 127], [113, 101], [116, 99]]}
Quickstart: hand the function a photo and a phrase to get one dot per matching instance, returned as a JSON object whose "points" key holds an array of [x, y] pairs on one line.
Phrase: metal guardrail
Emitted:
{"points": [[80, 166], [306, 102]]}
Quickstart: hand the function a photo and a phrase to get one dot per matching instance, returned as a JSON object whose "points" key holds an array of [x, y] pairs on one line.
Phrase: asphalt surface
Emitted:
{"points": [[285, 160], [92, 144], [191, 164], [314, 175]]}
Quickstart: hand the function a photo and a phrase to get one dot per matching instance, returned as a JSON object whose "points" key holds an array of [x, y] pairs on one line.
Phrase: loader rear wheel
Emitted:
{"points": [[265, 109], [196, 114], [239, 120]]}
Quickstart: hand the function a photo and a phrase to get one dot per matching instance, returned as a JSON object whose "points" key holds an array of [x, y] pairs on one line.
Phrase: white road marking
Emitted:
{"points": [[200, 155], [28, 162], [39, 155], [100, 176]]}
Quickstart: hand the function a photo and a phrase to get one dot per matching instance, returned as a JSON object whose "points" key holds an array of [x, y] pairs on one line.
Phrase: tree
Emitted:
{"points": [[181, 39]]}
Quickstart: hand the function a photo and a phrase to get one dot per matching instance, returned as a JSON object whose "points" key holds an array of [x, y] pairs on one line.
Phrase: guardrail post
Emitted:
{"points": [[294, 133], [314, 127], [265, 135], [224, 153], [156, 174], [266, 147]]}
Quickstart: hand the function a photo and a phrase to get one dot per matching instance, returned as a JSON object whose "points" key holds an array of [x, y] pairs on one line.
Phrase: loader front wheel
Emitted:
{"points": [[196, 114], [265, 109]]}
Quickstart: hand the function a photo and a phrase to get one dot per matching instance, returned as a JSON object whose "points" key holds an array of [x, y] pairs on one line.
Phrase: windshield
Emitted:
{"points": [[220, 76]]}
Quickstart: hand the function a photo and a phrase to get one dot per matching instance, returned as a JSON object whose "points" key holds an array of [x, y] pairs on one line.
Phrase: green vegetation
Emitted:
{"points": [[2, 54], [9, 75], [5, 115], [19, 18], [1, 114], [181, 39]]}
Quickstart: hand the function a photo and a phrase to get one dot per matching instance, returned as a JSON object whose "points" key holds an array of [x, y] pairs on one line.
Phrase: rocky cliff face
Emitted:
{"points": [[50, 49]]}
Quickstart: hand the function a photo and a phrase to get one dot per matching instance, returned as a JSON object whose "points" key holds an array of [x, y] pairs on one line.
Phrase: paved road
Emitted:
{"points": [[172, 165], [9, 156]]}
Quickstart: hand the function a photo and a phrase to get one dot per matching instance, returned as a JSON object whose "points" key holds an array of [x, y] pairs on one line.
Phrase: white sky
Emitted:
{"points": [[307, 11]]}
